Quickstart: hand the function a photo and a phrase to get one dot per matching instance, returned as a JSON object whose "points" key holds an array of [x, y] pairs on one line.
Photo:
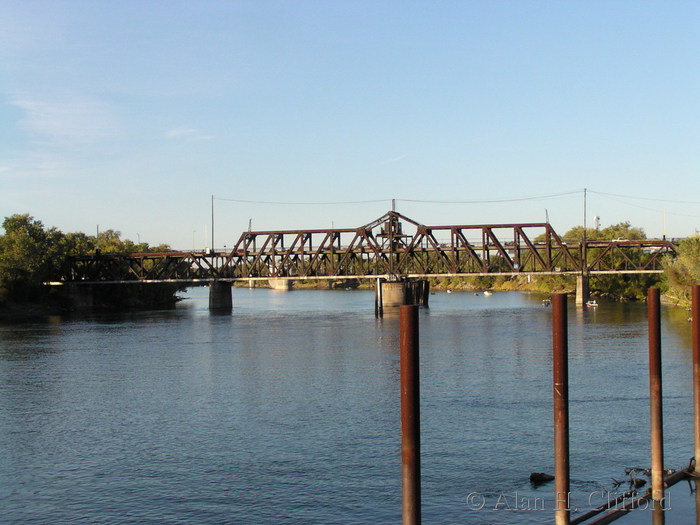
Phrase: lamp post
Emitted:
{"points": [[193, 232]]}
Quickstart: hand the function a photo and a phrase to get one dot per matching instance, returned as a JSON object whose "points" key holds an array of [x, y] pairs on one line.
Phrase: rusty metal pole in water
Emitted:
{"points": [[655, 396], [410, 416], [560, 380], [695, 318], [696, 368]]}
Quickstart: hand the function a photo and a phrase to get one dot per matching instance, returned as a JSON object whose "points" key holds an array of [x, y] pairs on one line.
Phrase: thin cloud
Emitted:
{"points": [[394, 159], [67, 119], [187, 133], [39, 165]]}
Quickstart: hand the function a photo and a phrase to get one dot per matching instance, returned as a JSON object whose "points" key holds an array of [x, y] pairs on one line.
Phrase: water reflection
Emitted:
{"points": [[286, 410]]}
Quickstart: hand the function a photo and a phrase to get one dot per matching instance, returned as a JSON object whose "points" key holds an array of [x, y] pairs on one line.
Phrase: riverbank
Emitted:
{"points": [[105, 298], [159, 296], [524, 283]]}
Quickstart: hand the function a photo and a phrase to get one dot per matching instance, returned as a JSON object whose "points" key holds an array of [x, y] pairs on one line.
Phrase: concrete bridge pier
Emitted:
{"points": [[582, 290], [392, 294], [220, 297], [281, 284]]}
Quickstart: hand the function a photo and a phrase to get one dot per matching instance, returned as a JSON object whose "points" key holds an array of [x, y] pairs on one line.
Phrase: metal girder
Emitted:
{"points": [[393, 245]]}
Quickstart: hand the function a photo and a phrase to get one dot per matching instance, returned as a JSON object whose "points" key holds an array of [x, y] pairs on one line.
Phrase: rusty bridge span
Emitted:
{"points": [[393, 247]]}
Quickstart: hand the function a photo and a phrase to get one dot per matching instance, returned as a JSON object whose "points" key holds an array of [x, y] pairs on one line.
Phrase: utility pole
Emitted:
{"points": [[582, 280], [585, 233], [584, 214], [664, 225], [212, 222]]}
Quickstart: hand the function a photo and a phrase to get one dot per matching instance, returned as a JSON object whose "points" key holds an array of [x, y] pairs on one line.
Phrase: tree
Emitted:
{"points": [[29, 254], [618, 286], [28, 250], [78, 243], [682, 272], [621, 230], [624, 287]]}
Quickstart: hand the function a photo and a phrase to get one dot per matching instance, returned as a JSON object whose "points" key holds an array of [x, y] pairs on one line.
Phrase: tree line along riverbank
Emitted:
{"points": [[30, 253]]}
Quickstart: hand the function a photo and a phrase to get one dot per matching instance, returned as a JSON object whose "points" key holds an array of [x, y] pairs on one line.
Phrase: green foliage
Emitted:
{"points": [[682, 272], [31, 254], [552, 284], [624, 287], [622, 230], [79, 243], [110, 241]]}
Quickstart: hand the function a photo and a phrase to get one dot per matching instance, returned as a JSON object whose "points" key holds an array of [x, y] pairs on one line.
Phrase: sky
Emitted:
{"points": [[132, 115]]}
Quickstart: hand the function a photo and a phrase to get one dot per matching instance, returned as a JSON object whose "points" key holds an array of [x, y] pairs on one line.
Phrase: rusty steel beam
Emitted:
{"points": [[392, 245]]}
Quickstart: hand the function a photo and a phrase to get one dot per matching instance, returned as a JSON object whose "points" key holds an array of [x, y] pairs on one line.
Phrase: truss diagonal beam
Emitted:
{"points": [[392, 245]]}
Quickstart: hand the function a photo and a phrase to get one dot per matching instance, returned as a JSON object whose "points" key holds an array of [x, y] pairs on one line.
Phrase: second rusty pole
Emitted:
{"points": [[560, 382], [410, 416], [695, 293], [696, 368], [655, 396]]}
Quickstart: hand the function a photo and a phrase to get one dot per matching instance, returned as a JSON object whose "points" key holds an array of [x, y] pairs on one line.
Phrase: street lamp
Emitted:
{"points": [[193, 232]]}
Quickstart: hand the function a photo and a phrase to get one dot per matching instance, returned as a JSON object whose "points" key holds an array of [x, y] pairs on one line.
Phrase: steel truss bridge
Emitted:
{"points": [[391, 247]]}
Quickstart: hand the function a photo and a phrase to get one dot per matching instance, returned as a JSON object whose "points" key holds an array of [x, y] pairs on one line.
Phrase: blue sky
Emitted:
{"points": [[130, 115]]}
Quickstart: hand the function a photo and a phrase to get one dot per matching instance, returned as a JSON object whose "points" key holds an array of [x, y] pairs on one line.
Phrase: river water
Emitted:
{"points": [[286, 411]]}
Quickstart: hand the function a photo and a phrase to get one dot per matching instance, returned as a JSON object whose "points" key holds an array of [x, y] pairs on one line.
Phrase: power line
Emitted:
{"points": [[475, 201], [675, 213], [288, 203], [642, 198], [302, 203], [519, 199]]}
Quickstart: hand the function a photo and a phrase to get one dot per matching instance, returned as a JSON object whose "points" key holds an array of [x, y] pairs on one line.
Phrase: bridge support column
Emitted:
{"points": [[582, 291], [392, 294], [220, 298], [80, 296], [423, 292], [281, 284]]}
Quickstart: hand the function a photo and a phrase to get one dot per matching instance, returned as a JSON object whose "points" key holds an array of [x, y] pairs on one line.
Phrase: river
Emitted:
{"points": [[286, 411]]}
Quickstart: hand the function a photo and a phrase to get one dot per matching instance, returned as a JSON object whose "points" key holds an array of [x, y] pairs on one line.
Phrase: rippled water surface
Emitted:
{"points": [[287, 411]]}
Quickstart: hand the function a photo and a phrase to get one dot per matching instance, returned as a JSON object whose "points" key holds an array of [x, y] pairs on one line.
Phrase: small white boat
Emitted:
{"points": [[487, 293], [592, 304]]}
